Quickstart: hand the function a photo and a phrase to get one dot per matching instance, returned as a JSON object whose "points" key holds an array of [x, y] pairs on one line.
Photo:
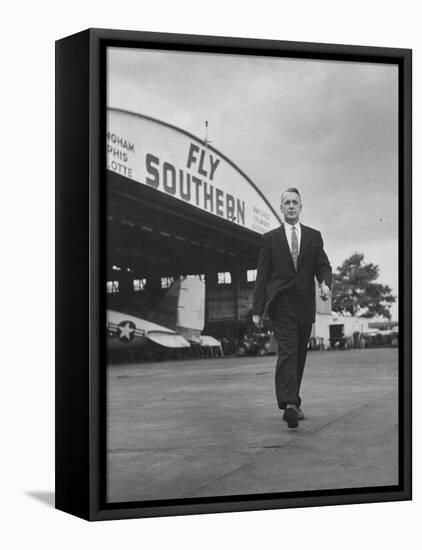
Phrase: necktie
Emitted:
{"points": [[295, 246]]}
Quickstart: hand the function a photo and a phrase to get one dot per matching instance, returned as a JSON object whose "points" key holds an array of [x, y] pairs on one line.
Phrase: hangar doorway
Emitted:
{"points": [[154, 239]]}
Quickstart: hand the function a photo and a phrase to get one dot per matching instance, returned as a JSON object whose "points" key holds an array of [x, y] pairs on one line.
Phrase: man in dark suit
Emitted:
{"points": [[291, 256]]}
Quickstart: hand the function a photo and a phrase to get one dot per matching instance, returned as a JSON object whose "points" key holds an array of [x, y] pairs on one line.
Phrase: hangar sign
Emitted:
{"points": [[177, 163]]}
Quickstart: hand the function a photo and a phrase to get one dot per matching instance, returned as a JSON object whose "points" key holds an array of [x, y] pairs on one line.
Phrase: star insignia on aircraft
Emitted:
{"points": [[126, 331]]}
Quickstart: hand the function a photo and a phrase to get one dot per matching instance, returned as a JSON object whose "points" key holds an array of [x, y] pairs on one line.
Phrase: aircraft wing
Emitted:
{"points": [[126, 327], [167, 339], [209, 341]]}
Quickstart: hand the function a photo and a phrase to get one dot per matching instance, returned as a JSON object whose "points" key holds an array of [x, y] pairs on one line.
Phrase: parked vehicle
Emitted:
{"points": [[381, 338], [260, 344]]}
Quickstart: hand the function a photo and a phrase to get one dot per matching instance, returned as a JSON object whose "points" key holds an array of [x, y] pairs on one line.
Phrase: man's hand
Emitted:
{"points": [[324, 292], [256, 320]]}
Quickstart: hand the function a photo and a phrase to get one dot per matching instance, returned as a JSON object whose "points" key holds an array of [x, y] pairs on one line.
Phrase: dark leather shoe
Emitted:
{"points": [[300, 415], [290, 416]]}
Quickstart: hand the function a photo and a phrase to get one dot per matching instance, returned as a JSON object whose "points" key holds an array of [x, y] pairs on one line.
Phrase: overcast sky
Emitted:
{"points": [[326, 127]]}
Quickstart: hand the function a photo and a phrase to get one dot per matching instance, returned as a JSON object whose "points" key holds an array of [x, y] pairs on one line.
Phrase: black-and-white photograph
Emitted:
{"points": [[252, 275]]}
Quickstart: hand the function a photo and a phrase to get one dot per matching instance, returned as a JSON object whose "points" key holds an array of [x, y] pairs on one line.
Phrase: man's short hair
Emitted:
{"points": [[290, 190]]}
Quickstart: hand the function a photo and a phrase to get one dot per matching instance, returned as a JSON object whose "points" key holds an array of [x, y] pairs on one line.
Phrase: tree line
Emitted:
{"points": [[356, 292]]}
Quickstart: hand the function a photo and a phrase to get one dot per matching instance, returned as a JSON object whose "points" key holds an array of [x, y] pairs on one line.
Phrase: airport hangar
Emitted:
{"points": [[177, 206]]}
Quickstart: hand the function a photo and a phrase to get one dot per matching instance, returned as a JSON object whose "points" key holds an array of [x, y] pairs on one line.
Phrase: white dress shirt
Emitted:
{"points": [[288, 231]]}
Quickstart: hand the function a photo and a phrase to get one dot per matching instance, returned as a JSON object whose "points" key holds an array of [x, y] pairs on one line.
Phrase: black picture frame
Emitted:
{"points": [[80, 267]]}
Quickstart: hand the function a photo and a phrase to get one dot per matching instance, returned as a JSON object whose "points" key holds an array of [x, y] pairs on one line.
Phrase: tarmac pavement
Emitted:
{"points": [[211, 427]]}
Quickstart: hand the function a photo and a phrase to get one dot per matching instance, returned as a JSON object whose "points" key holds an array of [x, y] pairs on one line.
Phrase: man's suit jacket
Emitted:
{"points": [[277, 274]]}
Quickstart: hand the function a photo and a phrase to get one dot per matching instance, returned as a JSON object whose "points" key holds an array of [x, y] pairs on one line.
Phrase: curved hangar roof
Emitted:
{"points": [[178, 164]]}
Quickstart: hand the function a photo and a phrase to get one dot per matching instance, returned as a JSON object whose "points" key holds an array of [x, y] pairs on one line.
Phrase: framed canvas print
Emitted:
{"points": [[233, 274]]}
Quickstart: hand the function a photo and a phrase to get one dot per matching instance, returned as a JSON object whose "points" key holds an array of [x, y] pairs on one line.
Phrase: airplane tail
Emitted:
{"points": [[182, 308]]}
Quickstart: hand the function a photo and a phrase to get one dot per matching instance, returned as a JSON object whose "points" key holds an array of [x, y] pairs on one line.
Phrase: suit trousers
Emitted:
{"points": [[292, 337]]}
